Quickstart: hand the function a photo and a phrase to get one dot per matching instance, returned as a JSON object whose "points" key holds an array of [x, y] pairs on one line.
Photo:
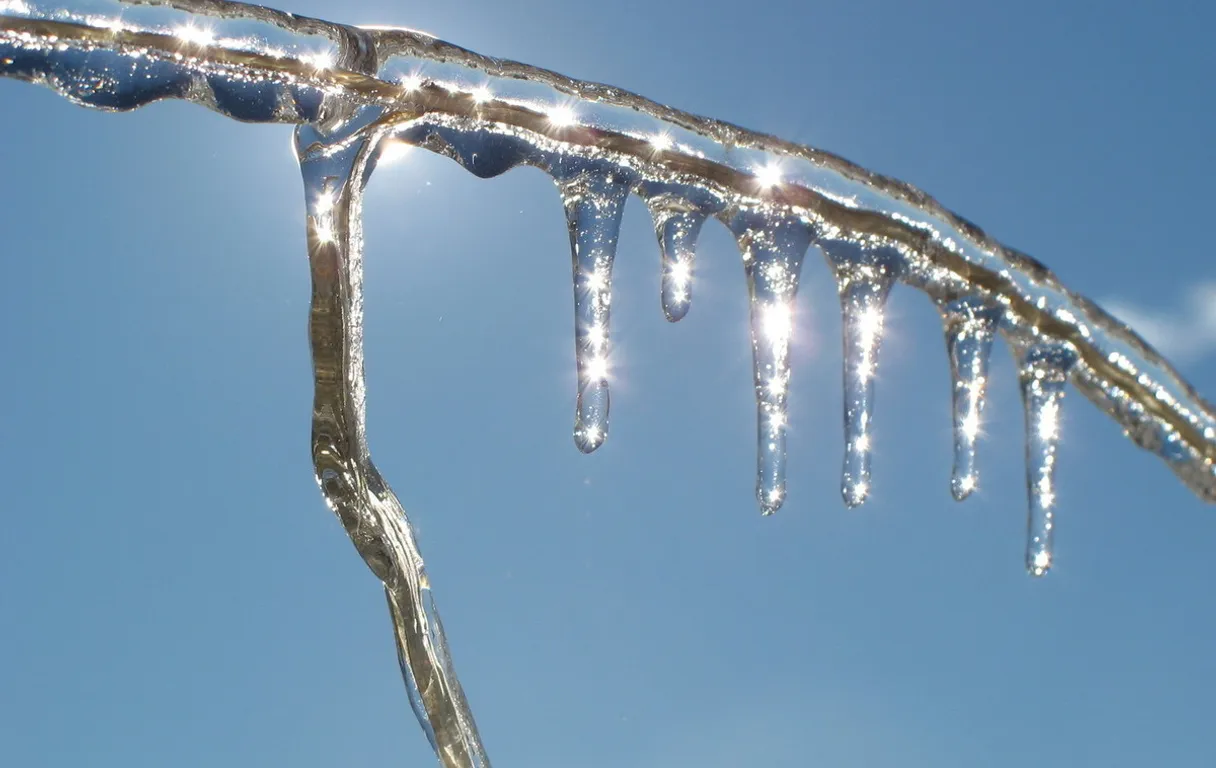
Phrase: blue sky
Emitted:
{"points": [[176, 593]]}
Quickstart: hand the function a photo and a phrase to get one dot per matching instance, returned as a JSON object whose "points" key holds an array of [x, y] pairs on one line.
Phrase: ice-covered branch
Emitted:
{"points": [[349, 90], [257, 64]]}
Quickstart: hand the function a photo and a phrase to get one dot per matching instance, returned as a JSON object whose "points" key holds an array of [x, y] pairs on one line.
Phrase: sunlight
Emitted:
{"points": [[562, 115], [195, 35], [768, 176]]}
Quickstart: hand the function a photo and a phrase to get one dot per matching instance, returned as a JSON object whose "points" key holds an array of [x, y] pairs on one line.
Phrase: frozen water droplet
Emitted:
{"points": [[773, 247], [970, 330], [594, 200], [864, 279], [1043, 374]]}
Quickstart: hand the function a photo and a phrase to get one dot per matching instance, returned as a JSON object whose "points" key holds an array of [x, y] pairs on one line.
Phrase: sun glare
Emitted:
{"points": [[562, 115], [195, 35], [768, 176]]}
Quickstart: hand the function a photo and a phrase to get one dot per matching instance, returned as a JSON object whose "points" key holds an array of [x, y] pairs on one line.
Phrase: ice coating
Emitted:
{"points": [[594, 198], [334, 166], [773, 249], [349, 89], [971, 325], [273, 66], [1043, 375]]}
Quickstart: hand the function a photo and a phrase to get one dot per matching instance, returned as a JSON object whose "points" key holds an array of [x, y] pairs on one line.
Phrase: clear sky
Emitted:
{"points": [[175, 593]]}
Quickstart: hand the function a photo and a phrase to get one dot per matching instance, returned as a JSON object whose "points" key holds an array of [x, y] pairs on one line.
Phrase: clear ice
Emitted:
{"points": [[678, 215], [678, 232], [773, 248], [594, 198], [971, 325], [1043, 374], [864, 277], [350, 90]]}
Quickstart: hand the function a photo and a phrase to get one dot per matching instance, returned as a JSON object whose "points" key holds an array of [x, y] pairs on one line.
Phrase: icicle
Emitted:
{"points": [[1044, 374], [594, 200], [864, 279], [970, 329], [773, 247], [678, 241], [678, 211], [677, 231]]}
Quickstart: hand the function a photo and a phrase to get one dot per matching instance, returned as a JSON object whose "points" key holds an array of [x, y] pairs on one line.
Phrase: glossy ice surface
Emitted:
{"points": [[351, 90]]}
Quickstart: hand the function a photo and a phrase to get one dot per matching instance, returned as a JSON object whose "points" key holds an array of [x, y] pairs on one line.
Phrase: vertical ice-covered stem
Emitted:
{"points": [[971, 324], [334, 171], [594, 198], [1043, 374], [864, 276], [773, 246]]}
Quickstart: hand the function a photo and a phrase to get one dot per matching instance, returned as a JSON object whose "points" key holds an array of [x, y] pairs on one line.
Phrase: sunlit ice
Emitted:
{"points": [[197, 35], [1048, 425], [411, 82], [394, 151], [482, 93], [777, 322], [661, 142], [768, 175], [681, 273], [323, 60], [597, 337], [562, 115], [968, 483], [1041, 562], [596, 369], [597, 280], [324, 203], [869, 325], [324, 229], [780, 331], [970, 425]]}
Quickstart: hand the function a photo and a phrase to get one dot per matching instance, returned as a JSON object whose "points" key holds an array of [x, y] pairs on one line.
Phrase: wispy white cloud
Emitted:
{"points": [[1185, 331]]}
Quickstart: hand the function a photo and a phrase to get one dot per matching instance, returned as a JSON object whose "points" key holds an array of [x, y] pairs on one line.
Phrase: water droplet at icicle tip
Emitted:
{"points": [[971, 325], [594, 199], [773, 248], [864, 278], [1043, 377]]}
